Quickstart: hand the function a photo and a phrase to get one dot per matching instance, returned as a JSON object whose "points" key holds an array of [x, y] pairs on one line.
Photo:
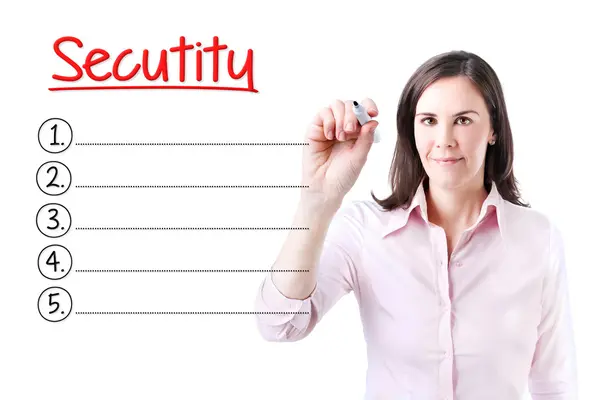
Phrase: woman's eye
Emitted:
{"points": [[463, 121]]}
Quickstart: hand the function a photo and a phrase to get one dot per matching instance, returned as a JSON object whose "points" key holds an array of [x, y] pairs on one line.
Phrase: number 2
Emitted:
{"points": [[55, 175]]}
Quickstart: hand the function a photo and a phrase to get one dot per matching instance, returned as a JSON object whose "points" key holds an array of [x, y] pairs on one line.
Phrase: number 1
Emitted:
{"points": [[54, 143]]}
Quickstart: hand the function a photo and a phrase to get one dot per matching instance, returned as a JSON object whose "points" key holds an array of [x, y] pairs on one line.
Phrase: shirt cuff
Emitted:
{"points": [[280, 309]]}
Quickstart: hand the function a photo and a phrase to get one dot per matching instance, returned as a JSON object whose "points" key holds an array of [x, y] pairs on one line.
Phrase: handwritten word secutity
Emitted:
{"points": [[151, 73]]}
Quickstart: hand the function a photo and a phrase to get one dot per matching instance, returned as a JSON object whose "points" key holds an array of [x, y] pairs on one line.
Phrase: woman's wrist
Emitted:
{"points": [[319, 206]]}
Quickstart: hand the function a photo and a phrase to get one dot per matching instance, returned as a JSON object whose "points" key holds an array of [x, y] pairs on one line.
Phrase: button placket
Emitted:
{"points": [[445, 316], [445, 373]]}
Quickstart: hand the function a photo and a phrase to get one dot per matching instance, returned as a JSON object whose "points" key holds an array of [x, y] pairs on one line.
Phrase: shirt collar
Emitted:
{"points": [[398, 217]]}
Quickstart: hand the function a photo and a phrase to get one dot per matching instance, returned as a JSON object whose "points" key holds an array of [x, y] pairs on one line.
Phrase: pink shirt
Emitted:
{"points": [[490, 324]]}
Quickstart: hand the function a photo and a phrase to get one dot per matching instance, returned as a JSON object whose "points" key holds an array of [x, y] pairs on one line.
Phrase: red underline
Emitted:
{"points": [[153, 87]]}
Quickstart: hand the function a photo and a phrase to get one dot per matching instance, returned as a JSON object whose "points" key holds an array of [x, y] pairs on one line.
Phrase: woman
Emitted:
{"points": [[461, 287]]}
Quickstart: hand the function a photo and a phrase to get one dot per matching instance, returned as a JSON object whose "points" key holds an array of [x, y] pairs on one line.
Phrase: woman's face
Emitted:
{"points": [[452, 121]]}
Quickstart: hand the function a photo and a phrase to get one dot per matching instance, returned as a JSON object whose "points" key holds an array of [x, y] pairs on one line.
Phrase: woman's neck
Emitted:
{"points": [[455, 209]]}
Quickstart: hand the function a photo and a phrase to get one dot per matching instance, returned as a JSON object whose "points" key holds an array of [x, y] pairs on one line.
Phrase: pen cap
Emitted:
{"points": [[376, 137]]}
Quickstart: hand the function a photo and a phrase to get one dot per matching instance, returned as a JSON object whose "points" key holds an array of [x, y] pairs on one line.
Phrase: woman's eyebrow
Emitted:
{"points": [[454, 115]]}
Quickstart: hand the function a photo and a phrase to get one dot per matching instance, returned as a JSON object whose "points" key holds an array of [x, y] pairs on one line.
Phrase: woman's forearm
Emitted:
{"points": [[302, 249]]}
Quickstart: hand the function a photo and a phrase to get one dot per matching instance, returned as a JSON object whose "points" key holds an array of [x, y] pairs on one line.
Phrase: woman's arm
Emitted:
{"points": [[329, 251], [302, 249], [553, 371]]}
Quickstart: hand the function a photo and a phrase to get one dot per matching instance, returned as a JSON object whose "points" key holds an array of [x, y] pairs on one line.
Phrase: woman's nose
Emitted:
{"points": [[444, 137]]}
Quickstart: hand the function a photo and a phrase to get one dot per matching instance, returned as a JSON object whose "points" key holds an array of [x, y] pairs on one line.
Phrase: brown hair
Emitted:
{"points": [[406, 171]]}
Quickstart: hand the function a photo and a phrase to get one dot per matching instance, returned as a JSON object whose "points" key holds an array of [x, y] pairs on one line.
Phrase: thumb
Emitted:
{"points": [[364, 141]]}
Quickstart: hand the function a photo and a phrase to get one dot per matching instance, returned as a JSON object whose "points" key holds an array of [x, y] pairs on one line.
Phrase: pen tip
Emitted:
{"points": [[355, 103]]}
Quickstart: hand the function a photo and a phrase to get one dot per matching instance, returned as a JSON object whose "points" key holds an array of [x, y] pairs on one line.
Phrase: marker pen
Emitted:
{"points": [[363, 118]]}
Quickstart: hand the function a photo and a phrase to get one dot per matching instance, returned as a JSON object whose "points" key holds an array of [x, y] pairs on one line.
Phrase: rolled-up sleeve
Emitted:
{"points": [[280, 318], [553, 374]]}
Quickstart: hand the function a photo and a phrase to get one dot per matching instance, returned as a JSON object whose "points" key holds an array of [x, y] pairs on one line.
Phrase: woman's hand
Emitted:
{"points": [[337, 151]]}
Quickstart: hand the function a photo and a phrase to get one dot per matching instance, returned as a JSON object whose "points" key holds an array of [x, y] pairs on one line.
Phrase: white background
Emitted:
{"points": [[305, 55]]}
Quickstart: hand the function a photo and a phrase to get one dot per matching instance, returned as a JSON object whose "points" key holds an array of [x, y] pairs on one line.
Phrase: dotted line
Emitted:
{"points": [[191, 186], [191, 270], [188, 312], [189, 228], [193, 144]]}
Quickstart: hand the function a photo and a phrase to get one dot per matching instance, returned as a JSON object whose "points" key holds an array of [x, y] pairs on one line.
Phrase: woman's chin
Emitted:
{"points": [[447, 182]]}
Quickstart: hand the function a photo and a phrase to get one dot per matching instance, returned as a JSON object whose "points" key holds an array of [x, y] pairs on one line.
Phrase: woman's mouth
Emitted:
{"points": [[447, 161]]}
